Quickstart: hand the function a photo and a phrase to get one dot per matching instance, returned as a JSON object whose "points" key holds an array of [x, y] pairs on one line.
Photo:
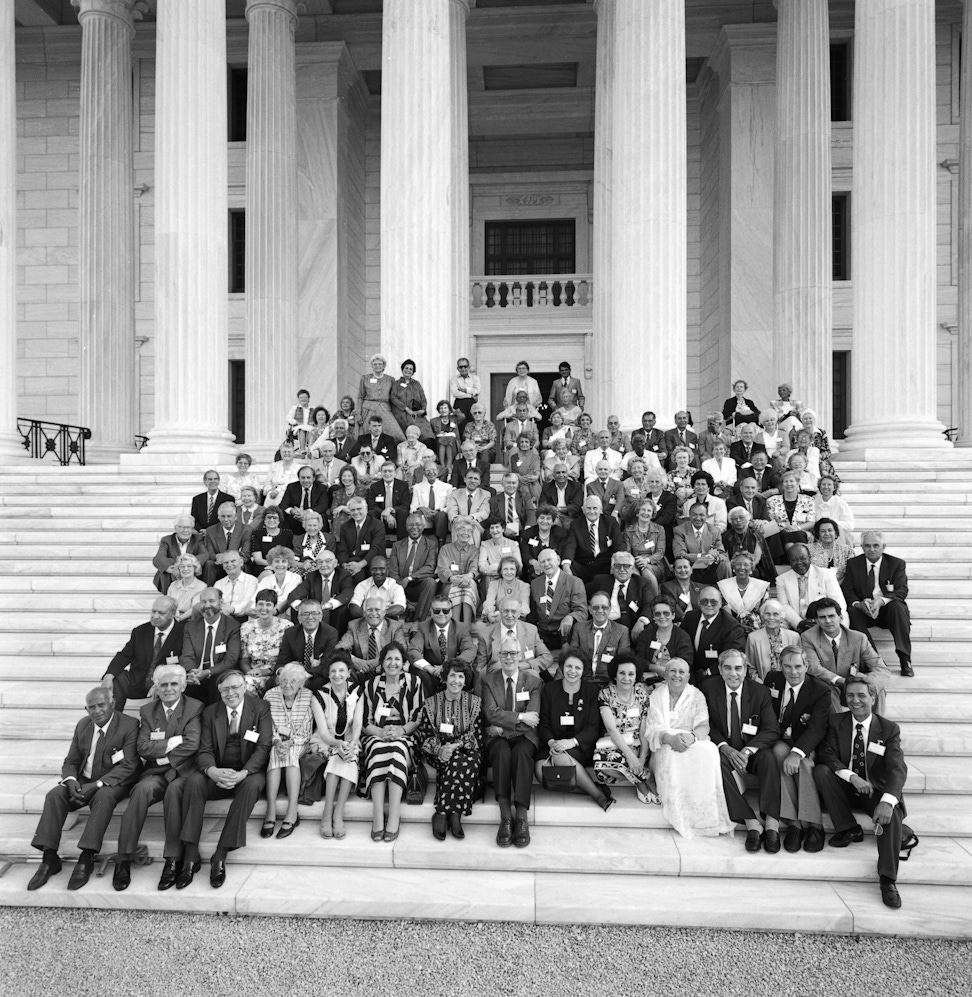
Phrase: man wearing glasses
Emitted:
{"points": [[712, 630], [465, 389], [438, 640]]}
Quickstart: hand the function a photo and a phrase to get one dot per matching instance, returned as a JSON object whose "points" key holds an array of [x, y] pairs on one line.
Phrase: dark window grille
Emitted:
{"points": [[237, 251], [530, 247], [841, 245], [840, 82], [236, 103]]}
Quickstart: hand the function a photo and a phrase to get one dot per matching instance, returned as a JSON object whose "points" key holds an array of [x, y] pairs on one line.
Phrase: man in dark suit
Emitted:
{"points": [[629, 593], [331, 586], [382, 445], [534, 654], [599, 638], [310, 642], [681, 436], [210, 646], [861, 766], [469, 458], [587, 555], [511, 706], [237, 733], [129, 675], [875, 586], [228, 534], [654, 438], [557, 600], [743, 449], [344, 446], [303, 495], [802, 705], [712, 630], [184, 540], [745, 495], [366, 637], [205, 506], [512, 508], [743, 725], [566, 391], [766, 478], [437, 641], [563, 494], [360, 540], [168, 739], [99, 771], [389, 499], [412, 564]]}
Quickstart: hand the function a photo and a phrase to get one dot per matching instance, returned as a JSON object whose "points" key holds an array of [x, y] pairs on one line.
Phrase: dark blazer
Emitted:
{"points": [[765, 482], [494, 703], [294, 493], [755, 707], [368, 544], [524, 511], [255, 522], [750, 540], [585, 712], [239, 540], [573, 496], [292, 646], [737, 451], [185, 722], [893, 579], [259, 542], [666, 515], [345, 450], [312, 587], [616, 640], [401, 497], [531, 545], [138, 655], [169, 551], [254, 716], [808, 721], [578, 544], [194, 639], [386, 446], [297, 545], [460, 643], [724, 634], [568, 597], [108, 766], [672, 441], [736, 501], [679, 646], [729, 412], [423, 564], [634, 599], [675, 591], [459, 468], [200, 504]]}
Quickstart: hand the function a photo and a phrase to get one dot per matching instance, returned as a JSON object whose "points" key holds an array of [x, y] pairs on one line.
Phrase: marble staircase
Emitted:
{"points": [[75, 576]]}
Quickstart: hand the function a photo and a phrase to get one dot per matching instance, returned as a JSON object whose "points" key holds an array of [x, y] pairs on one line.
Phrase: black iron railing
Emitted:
{"points": [[140, 441], [64, 442]]}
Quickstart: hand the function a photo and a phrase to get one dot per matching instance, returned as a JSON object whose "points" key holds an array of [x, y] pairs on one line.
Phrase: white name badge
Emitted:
{"points": [[683, 597], [157, 735], [379, 498], [382, 712], [876, 749], [854, 670], [650, 545], [366, 546], [528, 653], [284, 732], [545, 599], [533, 542], [523, 697], [117, 756], [750, 729], [607, 658], [219, 649], [454, 568], [566, 721], [634, 712], [655, 645], [403, 384], [788, 733], [172, 659], [373, 380], [889, 587], [711, 653], [775, 693], [633, 605], [174, 742], [635, 492], [162, 761], [268, 540], [251, 735], [446, 728], [506, 550]]}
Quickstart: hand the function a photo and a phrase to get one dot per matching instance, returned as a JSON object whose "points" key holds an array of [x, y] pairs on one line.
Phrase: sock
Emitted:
{"points": [[87, 855], [521, 812], [51, 856], [192, 852], [504, 805], [219, 855]]}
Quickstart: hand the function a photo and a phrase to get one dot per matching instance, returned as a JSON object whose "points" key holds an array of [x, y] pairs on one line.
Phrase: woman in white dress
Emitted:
{"points": [[684, 761], [827, 504], [722, 468], [742, 593], [523, 382]]}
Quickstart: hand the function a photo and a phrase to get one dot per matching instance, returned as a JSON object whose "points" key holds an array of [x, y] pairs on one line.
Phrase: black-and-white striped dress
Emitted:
{"points": [[389, 760]]}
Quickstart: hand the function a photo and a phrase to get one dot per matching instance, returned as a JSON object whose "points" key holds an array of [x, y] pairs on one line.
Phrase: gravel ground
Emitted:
{"points": [[104, 953]]}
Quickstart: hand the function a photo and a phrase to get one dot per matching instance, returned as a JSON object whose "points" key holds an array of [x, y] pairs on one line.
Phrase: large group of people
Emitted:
{"points": [[681, 613]]}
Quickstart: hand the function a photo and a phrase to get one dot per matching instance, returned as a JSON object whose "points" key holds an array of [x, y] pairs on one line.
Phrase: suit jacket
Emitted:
{"points": [[758, 651], [738, 453], [254, 716], [116, 764], [524, 510], [256, 520], [755, 707], [194, 640], [675, 591], [185, 722], [808, 721], [887, 773], [573, 497], [460, 503], [893, 579], [344, 449], [766, 481], [138, 655], [724, 634], [854, 654], [616, 640], [312, 587], [729, 412], [355, 640], [634, 599], [401, 497], [386, 446], [459, 468], [569, 597], [367, 543], [423, 564], [331, 474], [536, 655], [531, 545], [292, 646], [460, 643], [240, 540], [561, 396], [758, 510], [609, 492], [821, 582], [528, 684], [684, 541], [200, 503], [319, 498], [513, 430], [169, 551], [578, 544], [667, 512], [672, 441]]}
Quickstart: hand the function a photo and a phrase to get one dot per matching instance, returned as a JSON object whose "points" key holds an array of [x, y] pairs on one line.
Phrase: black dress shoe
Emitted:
{"points": [[754, 841], [439, 827], [122, 877], [455, 825], [814, 841], [844, 838], [889, 893], [169, 872], [521, 832], [793, 838], [186, 872], [909, 673], [504, 836], [771, 841], [287, 829], [81, 874], [217, 873], [44, 872]]}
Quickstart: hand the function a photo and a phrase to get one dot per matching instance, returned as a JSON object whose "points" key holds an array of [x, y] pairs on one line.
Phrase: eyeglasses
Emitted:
{"points": [[509, 654], [709, 602], [440, 612], [464, 366]]}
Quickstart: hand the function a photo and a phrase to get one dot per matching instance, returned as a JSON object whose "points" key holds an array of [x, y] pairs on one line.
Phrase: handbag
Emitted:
{"points": [[418, 783], [558, 778]]}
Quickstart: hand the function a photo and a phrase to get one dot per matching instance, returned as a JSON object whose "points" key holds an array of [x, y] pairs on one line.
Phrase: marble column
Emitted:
{"points": [[419, 108], [803, 309], [106, 234], [191, 364], [893, 400], [640, 166], [10, 442], [458, 13], [963, 410], [271, 223]]}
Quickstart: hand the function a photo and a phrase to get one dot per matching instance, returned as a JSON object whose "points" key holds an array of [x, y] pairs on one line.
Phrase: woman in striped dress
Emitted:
{"points": [[392, 701]]}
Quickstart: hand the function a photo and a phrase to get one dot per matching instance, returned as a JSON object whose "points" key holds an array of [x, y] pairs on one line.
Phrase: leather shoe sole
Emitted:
{"points": [[169, 872], [754, 841], [188, 870], [844, 838], [439, 827], [122, 877], [889, 894], [43, 874], [792, 839], [217, 874], [504, 836], [80, 875], [814, 841], [521, 834]]}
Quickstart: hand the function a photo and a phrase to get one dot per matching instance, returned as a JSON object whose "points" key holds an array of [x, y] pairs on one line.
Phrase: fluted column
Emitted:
{"points": [[963, 410], [893, 235], [419, 108], [191, 363], [271, 223], [803, 311], [641, 167], [458, 13], [10, 442]]}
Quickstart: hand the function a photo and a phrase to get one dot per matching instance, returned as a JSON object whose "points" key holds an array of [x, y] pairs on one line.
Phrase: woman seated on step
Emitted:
{"points": [[187, 588]]}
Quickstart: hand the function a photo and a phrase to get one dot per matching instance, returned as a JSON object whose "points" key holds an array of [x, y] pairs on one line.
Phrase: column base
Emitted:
{"points": [[175, 446], [12, 448], [106, 453], [886, 440]]}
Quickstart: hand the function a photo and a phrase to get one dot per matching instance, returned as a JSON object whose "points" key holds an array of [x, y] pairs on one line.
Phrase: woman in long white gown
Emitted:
{"points": [[683, 759]]}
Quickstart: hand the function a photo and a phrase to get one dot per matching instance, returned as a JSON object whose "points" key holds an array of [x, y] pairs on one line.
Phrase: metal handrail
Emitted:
{"points": [[62, 440]]}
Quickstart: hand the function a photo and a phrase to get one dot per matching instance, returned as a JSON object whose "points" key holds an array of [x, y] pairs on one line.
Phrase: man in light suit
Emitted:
{"points": [[430, 498], [835, 654], [798, 589], [585, 560], [360, 541], [129, 675], [599, 638], [557, 600], [566, 391], [184, 540], [602, 452], [210, 646], [876, 587], [712, 631], [229, 534], [511, 706], [412, 564], [743, 725], [471, 501], [681, 436], [534, 654], [438, 640], [520, 425], [608, 490], [237, 733], [564, 495], [366, 637], [702, 545], [168, 739], [99, 771], [328, 468], [205, 506], [861, 766], [310, 642]]}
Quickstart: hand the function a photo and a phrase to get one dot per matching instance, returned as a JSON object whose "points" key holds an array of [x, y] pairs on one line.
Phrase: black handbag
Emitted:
{"points": [[558, 778], [418, 783]]}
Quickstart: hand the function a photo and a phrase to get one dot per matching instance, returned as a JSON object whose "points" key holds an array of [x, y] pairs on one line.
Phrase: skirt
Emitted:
{"points": [[386, 761]]}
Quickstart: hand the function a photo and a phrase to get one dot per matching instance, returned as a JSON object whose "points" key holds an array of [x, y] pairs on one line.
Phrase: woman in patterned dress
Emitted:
{"points": [[392, 700], [458, 568], [507, 585], [408, 402], [292, 713], [308, 547], [260, 641], [374, 399], [281, 576], [481, 431], [450, 735], [187, 588]]}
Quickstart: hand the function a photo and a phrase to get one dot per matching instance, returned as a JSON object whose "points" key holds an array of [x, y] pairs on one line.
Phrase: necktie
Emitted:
{"points": [[207, 658], [735, 729], [510, 515], [229, 533], [168, 715], [305, 501], [409, 558], [857, 760], [443, 645], [871, 583], [698, 539], [234, 722], [157, 652], [703, 633], [511, 633], [368, 468], [833, 647], [209, 507], [593, 531], [389, 501], [508, 705], [325, 591], [598, 634], [92, 766], [550, 595], [616, 601], [372, 643], [802, 586], [432, 497], [565, 382], [786, 717]]}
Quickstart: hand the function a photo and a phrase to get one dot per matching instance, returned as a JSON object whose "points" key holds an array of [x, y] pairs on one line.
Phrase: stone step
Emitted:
{"points": [[59, 566], [69, 584], [75, 551], [937, 587], [860, 498], [38, 542], [112, 602], [11, 503], [106, 623], [865, 511], [120, 523]]}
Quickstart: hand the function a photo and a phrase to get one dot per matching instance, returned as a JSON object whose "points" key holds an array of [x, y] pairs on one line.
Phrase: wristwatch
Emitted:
{"points": [[100, 784]]}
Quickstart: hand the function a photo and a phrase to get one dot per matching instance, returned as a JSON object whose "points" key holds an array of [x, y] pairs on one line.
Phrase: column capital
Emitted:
{"points": [[126, 11], [464, 5], [292, 8]]}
